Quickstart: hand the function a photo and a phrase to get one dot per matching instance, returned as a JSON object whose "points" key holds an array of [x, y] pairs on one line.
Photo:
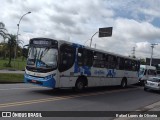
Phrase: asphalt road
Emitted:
{"points": [[27, 97]]}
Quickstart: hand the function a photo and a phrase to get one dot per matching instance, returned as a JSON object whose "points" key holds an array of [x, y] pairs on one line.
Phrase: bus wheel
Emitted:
{"points": [[145, 89], [124, 83], [79, 86], [56, 89]]}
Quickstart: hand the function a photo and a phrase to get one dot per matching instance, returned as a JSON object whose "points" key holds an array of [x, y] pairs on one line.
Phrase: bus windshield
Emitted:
{"points": [[141, 71], [42, 57]]}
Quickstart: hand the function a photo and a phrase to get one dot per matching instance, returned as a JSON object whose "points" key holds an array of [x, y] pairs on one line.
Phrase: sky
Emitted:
{"points": [[136, 23]]}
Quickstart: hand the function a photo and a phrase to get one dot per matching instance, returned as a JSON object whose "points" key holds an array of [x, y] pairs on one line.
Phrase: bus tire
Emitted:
{"points": [[124, 83], [145, 89], [56, 89], [142, 82], [80, 84]]}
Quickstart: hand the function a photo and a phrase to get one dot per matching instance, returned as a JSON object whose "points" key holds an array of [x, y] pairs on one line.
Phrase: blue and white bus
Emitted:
{"points": [[59, 64]]}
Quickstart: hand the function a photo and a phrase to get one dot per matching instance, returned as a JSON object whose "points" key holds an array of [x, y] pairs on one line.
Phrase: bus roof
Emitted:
{"points": [[93, 49]]}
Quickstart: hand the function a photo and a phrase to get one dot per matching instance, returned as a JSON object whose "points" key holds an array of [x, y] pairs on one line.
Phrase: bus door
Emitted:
{"points": [[66, 62]]}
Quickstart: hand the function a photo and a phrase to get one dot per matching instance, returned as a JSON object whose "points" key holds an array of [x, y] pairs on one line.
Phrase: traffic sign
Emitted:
{"points": [[105, 32]]}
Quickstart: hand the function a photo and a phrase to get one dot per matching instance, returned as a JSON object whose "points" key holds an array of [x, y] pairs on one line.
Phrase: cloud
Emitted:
{"points": [[129, 33], [76, 21], [140, 31]]}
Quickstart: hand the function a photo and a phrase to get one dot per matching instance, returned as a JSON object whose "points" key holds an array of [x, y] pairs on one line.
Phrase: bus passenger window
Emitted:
{"points": [[85, 57], [127, 64], [103, 61], [98, 60], [134, 66], [106, 61], [121, 64], [80, 57], [112, 61], [118, 63], [88, 57]]}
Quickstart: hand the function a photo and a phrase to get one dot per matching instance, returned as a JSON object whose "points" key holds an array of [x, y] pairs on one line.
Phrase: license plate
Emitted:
{"points": [[151, 84], [34, 81]]}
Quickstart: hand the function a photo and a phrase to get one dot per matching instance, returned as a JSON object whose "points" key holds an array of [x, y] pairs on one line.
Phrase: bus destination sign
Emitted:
{"points": [[41, 42]]}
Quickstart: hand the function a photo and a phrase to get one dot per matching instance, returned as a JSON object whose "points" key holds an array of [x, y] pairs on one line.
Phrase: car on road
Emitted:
{"points": [[145, 72], [152, 83]]}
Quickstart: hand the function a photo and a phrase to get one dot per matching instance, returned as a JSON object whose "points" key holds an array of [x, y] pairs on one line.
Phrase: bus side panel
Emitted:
{"points": [[98, 77], [68, 78], [114, 79], [65, 81], [132, 77], [105, 77]]}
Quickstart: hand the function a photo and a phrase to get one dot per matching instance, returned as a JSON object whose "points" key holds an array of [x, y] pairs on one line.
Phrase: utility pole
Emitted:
{"points": [[133, 52], [152, 46]]}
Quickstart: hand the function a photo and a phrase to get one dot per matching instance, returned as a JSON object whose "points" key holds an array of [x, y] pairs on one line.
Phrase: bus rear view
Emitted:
{"points": [[41, 65]]}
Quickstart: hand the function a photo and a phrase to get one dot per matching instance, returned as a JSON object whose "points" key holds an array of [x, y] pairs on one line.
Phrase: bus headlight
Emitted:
{"points": [[26, 75], [50, 76]]}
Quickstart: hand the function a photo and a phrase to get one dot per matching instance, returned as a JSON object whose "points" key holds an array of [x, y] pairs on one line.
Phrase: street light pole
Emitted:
{"points": [[15, 53], [152, 46], [92, 37], [103, 32]]}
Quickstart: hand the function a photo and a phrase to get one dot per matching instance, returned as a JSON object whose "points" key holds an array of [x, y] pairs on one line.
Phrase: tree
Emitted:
{"points": [[3, 33], [3, 50], [2, 29], [142, 61], [11, 45]]}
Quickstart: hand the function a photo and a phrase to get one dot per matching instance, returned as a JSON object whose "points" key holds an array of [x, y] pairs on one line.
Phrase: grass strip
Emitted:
{"points": [[11, 78], [18, 64]]}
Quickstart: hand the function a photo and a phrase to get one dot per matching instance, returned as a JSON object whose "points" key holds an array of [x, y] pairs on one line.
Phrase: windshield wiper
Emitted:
{"points": [[43, 53]]}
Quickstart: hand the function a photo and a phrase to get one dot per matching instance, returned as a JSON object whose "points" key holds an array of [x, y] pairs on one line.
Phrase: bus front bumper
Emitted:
{"points": [[47, 81]]}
